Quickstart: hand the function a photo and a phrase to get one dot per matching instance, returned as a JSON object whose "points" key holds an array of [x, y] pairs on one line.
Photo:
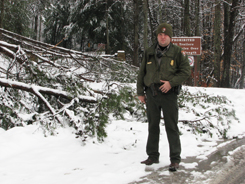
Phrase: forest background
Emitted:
{"points": [[129, 25], [54, 55]]}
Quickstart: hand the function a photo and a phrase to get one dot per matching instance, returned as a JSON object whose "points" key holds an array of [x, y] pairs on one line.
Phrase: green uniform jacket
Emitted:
{"points": [[174, 67]]}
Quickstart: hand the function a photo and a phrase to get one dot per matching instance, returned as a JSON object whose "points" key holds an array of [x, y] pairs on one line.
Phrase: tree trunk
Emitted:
{"points": [[229, 25], [197, 33], [160, 12], [197, 18], [2, 14], [150, 21], [145, 24], [243, 65], [187, 27], [187, 32], [226, 61], [107, 50], [136, 34], [40, 29], [35, 27], [217, 43], [165, 12]]}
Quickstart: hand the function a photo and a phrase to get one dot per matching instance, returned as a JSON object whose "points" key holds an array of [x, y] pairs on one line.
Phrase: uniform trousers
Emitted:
{"points": [[166, 103]]}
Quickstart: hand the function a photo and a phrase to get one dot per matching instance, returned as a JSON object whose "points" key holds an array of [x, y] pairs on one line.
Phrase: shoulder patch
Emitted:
{"points": [[183, 52]]}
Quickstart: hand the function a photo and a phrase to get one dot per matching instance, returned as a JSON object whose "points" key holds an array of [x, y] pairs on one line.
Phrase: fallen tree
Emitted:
{"points": [[51, 84]]}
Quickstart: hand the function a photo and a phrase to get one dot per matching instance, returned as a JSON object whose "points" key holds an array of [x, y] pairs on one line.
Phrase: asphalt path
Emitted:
{"points": [[224, 166]]}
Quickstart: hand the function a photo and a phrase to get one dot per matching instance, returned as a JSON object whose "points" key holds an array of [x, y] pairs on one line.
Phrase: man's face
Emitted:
{"points": [[163, 39]]}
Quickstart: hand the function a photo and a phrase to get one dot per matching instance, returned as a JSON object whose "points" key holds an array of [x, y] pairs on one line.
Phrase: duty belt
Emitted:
{"points": [[155, 89]]}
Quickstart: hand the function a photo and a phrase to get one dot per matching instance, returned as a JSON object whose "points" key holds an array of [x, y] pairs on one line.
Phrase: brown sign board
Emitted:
{"points": [[191, 45]]}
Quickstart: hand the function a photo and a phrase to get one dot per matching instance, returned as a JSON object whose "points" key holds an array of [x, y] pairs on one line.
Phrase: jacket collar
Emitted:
{"points": [[153, 48]]}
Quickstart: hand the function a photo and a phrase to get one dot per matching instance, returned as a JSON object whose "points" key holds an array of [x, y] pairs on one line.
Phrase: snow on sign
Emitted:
{"points": [[191, 60], [191, 45]]}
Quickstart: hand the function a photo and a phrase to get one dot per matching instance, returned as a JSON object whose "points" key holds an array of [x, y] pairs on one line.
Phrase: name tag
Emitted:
{"points": [[149, 63]]}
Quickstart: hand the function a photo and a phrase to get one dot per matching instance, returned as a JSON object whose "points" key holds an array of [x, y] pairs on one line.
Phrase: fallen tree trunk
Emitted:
{"points": [[44, 90]]}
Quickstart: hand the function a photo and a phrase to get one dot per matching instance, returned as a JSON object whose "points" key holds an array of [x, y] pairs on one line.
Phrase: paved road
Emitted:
{"points": [[225, 166], [232, 170]]}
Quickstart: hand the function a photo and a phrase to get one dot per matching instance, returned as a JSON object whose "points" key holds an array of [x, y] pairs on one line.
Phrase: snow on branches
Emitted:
{"points": [[50, 85]]}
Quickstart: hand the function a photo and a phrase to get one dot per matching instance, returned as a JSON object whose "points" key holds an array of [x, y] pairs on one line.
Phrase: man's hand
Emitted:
{"points": [[142, 99], [165, 87]]}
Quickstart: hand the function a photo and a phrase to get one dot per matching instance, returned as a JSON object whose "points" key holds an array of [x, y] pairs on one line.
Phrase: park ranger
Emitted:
{"points": [[164, 68]]}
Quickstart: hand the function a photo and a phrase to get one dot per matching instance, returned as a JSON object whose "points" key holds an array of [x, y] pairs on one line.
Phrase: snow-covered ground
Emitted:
{"points": [[27, 157]]}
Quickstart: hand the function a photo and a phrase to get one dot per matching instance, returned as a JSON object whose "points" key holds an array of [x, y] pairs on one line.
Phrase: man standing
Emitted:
{"points": [[163, 69]]}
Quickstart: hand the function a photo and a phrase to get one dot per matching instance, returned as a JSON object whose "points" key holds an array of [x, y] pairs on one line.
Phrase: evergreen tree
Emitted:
{"points": [[16, 16], [57, 16], [81, 24]]}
